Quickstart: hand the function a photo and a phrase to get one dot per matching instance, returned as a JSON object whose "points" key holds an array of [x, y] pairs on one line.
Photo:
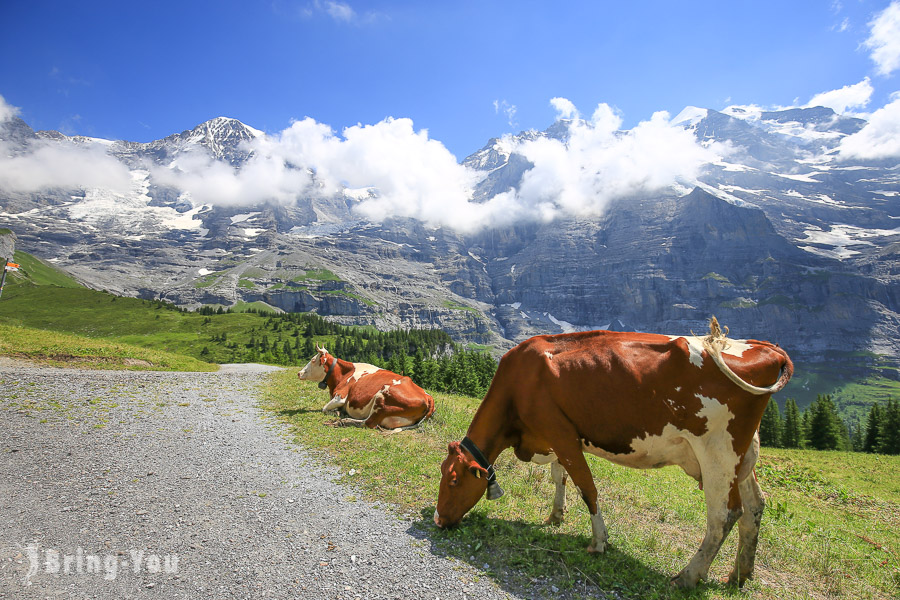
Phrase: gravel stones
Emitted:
{"points": [[128, 484]]}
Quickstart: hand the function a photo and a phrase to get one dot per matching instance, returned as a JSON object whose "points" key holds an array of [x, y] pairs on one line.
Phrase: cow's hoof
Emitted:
{"points": [[597, 548], [684, 581], [555, 518], [735, 579]]}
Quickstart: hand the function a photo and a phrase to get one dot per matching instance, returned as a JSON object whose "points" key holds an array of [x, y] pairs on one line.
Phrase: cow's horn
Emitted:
{"points": [[494, 490]]}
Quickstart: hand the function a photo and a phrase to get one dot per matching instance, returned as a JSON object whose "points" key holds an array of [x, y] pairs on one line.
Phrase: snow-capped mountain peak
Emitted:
{"points": [[690, 116]]}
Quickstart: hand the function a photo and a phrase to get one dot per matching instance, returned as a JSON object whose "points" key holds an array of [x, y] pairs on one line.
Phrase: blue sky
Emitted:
{"points": [[464, 71]]}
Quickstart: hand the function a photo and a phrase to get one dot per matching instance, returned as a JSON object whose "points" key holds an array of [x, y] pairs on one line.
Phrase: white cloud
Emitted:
{"points": [[840, 101], [410, 174], [564, 108], [414, 176], [601, 163], [61, 165], [7, 111], [339, 11], [502, 106], [884, 39], [880, 138]]}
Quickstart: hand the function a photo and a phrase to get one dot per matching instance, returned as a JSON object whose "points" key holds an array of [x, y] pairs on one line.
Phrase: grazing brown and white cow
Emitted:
{"points": [[367, 395], [639, 400]]}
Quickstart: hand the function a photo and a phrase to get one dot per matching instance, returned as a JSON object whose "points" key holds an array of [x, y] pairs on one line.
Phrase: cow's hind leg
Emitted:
{"points": [[397, 418], [559, 476], [723, 508], [721, 514], [748, 528]]}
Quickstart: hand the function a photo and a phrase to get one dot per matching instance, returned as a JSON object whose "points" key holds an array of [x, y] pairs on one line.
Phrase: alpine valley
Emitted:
{"points": [[782, 239]]}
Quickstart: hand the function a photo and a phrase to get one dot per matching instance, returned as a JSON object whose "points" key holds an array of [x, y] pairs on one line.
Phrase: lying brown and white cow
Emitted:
{"points": [[639, 400], [367, 395]]}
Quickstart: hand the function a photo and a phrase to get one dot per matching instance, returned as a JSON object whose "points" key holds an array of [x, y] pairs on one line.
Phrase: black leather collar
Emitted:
{"points": [[493, 491], [324, 383]]}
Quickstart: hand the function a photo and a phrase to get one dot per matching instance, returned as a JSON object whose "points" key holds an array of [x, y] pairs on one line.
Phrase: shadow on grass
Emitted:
{"points": [[293, 412], [537, 560]]}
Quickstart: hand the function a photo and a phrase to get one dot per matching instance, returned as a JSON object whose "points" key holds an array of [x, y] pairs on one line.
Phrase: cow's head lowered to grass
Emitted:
{"points": [[463, 483]]}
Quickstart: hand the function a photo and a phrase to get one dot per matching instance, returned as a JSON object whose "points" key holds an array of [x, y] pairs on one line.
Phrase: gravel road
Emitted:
{"points": [[125, 484]]}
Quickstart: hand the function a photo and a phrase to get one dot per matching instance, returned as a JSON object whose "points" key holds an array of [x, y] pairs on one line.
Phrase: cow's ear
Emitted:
{"points": [[476, 471]]}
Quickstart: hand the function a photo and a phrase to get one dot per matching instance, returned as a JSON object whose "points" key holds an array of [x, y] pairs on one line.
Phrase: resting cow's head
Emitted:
{"points": [[463, 482], [316, 368]]}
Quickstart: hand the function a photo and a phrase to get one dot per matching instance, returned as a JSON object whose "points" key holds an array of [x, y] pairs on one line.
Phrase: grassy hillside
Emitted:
{"points": [[142, 323], [831, 527], [38, 272], [59, 349]]}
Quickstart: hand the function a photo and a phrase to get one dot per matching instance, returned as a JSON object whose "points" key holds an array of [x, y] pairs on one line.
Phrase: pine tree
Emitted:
{"points": [[418, 366], [889, 438], [308, 349], [790, 435], [771, 426], [824, 425]]}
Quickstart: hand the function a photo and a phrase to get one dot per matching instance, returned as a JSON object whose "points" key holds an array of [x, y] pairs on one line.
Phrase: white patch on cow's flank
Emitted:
{"points": [[543, 459], [396, 381], [652, 451], [695, 347], [363, 369], [675, 446], [736, 347], [548, 354], [364, 412], [716, 413]]}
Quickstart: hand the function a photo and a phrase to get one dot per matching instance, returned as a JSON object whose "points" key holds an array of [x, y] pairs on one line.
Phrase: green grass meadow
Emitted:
{"points": [[59, 349], [831, 527], [80, 311]]}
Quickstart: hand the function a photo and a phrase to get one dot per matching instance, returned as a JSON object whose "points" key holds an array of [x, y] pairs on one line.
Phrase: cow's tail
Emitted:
{"points": [[714, 345]]}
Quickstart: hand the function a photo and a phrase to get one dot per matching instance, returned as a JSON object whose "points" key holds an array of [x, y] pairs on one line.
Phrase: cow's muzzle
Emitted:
{"points": [[443, 522]]}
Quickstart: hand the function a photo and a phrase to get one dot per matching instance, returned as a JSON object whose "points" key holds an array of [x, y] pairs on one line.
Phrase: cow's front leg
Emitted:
{"points": [[567, 448], [559, 476], [335, 404], [348, 422]]}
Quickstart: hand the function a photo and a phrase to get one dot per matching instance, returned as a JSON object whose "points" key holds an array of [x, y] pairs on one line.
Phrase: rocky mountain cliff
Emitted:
{"points": [[778, 239]]}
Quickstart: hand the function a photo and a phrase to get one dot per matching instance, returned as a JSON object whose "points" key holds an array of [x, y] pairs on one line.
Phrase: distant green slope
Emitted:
{"points": [[38, 272], [145, 323], [55, 348]]}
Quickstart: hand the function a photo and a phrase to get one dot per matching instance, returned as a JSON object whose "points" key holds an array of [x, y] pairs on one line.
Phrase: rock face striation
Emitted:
{"points": [[778, 239]]}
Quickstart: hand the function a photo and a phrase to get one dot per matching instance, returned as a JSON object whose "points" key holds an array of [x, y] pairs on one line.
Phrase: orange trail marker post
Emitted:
{"points": [[10, 266]]}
